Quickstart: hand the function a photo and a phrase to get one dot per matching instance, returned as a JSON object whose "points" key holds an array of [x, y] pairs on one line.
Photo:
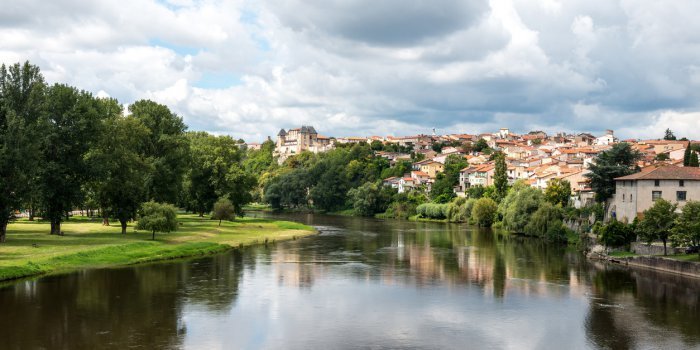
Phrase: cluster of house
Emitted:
{"points": [[535, 158]]}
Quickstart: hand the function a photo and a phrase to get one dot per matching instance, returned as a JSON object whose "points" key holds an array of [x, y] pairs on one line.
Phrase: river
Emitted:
{"points": [[360, 283]]}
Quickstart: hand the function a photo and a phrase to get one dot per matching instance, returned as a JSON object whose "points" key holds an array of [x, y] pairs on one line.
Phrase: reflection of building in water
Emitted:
{"points": [[292, 271]]}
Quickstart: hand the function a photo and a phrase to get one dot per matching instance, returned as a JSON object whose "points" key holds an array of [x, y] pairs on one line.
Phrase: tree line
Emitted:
{"points": [[63, 149]]}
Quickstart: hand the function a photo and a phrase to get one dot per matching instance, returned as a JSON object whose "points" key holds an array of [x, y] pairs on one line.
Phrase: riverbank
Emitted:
{"points": [[684, 264], [31, 251]]}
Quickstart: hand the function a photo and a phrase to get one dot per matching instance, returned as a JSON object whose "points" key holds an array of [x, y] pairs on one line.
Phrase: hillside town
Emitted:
{"points": [[535, 158]]}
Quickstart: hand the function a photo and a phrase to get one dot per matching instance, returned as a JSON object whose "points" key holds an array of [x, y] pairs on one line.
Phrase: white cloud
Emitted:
{"points": [[354, 69]]}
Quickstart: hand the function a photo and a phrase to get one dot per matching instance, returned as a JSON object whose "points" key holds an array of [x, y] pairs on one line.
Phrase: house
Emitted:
{"points": [[481, 175], [607, 139], [637, 192], [392, 182], [406, 184], [431, 168]]}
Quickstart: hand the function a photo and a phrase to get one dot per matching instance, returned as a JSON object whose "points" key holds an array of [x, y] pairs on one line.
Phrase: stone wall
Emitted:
{"points": [[644, 249], [685, 268]]}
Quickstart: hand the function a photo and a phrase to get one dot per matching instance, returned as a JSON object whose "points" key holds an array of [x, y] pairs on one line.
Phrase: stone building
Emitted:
{"points": [[637, 192], [295, 141]]}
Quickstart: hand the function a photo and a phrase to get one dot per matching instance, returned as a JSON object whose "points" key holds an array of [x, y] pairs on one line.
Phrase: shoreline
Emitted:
{"points": [[198, 237], [689, 269]]}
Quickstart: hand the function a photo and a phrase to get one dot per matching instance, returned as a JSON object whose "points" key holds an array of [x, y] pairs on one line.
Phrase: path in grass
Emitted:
{"points": [[30, 250]]}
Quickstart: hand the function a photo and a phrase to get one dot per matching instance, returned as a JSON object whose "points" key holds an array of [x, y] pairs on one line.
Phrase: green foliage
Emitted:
{"points": [[119, 168], [543, 219], [223, 210], [618, 161], [558, 191], [662, 157], [500, 178], [693, 162], [157, 217], [432, 211], [480, 146], [484, 212], [22, 96], [167, 148], [370, 198], [687, 228], [616, 234], [669, 136], [519, 205], [658, 222], [445, 182], [476, 192]]}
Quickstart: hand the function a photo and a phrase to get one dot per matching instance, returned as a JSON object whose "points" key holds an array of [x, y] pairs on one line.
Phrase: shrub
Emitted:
{"points": [[519, 205], [157, 217], [484, 212], [223, 210], [616, 234], [542, 221]]}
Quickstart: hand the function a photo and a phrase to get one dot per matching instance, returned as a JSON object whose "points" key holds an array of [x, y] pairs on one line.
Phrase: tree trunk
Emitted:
{"points": [[123, 222], [31, 213], [56, 227], [3, 232], [105, 221], [154, 235], [219, 222], [663, 240], [201, 214]]}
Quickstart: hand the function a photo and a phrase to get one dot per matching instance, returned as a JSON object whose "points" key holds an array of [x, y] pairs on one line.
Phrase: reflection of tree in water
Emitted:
{"points": [[602, 324], [214, 281], [95, 309]]}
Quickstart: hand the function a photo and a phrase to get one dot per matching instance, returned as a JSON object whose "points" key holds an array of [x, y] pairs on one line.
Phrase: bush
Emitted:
{"points": [[556, 232], [616, 234], [484, 212], [157, 217], [546, 218], [223, 210], [519, 205], [432, 211]]}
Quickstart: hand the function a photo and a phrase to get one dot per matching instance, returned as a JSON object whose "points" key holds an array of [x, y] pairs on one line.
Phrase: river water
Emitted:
{"points": [[365, 284]]}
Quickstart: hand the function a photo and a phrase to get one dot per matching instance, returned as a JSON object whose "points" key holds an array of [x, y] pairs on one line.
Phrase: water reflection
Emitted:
{"points": [[360, 283]]}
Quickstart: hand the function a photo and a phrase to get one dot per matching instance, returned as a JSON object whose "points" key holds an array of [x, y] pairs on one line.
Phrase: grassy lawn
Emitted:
{"points": [[622, 254], [30, 250]]}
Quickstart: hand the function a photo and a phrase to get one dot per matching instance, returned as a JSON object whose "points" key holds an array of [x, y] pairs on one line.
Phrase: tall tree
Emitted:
{"points": [[618, 161], [687, 229], [73, 124], [658, 222], [216, 172], [167, 148], [119, 166], [693, 162], [500, 178], [669, 136], [22, 93], [686, 156]]}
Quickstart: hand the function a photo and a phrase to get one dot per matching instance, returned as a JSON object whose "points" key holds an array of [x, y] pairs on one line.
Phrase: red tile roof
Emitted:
{"points": [[666, 173]]}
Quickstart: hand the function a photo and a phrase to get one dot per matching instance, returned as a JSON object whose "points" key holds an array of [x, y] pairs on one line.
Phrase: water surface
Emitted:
{"points": [[360, 283]]}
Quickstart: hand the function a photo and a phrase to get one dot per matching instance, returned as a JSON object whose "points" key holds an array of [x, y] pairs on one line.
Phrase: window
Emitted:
{"points": [[680, 196], [655, 195], [681, 183], [623, 197], [656, 183], [630, 198]]}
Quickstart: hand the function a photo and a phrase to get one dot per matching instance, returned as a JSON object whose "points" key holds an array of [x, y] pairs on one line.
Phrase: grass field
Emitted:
{"points": [[30, 250]]}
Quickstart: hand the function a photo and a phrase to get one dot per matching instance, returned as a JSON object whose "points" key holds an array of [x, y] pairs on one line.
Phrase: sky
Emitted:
{"points": [[248, 68]]}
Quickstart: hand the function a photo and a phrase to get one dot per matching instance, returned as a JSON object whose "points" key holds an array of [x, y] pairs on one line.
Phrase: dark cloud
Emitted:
{"points": [[383, 23]]}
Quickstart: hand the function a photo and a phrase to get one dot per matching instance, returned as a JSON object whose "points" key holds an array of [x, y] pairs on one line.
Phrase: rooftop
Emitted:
{"points": [[665, 173]]}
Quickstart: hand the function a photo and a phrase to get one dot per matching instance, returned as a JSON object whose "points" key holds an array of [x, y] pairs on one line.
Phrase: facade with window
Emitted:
{"points": [[637, 192]]}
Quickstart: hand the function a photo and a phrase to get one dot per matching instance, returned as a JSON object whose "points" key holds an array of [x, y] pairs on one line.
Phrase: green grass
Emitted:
{"points": [[30, 250], [685, 257], [622, 254]]}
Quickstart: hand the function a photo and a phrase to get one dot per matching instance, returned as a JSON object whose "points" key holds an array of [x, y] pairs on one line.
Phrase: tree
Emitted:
{"points": [[119, 169], [223, 210], [618, 161], [500, 179], [519, 205], [480, 145], [447, 180], [542, 220], [376, 145], [215, 171], [558, 192], [669, 136], [687, 229], [71, 128], [22, 95], [484, 212], [616, 234], [157, 217], [658, 222], [694, 160], [686, 156], [370, 198], [167, 148], [662, 157]]}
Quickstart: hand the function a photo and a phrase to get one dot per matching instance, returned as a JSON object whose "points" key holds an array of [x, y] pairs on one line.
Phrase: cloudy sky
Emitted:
{"points": [[358, 67]]}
